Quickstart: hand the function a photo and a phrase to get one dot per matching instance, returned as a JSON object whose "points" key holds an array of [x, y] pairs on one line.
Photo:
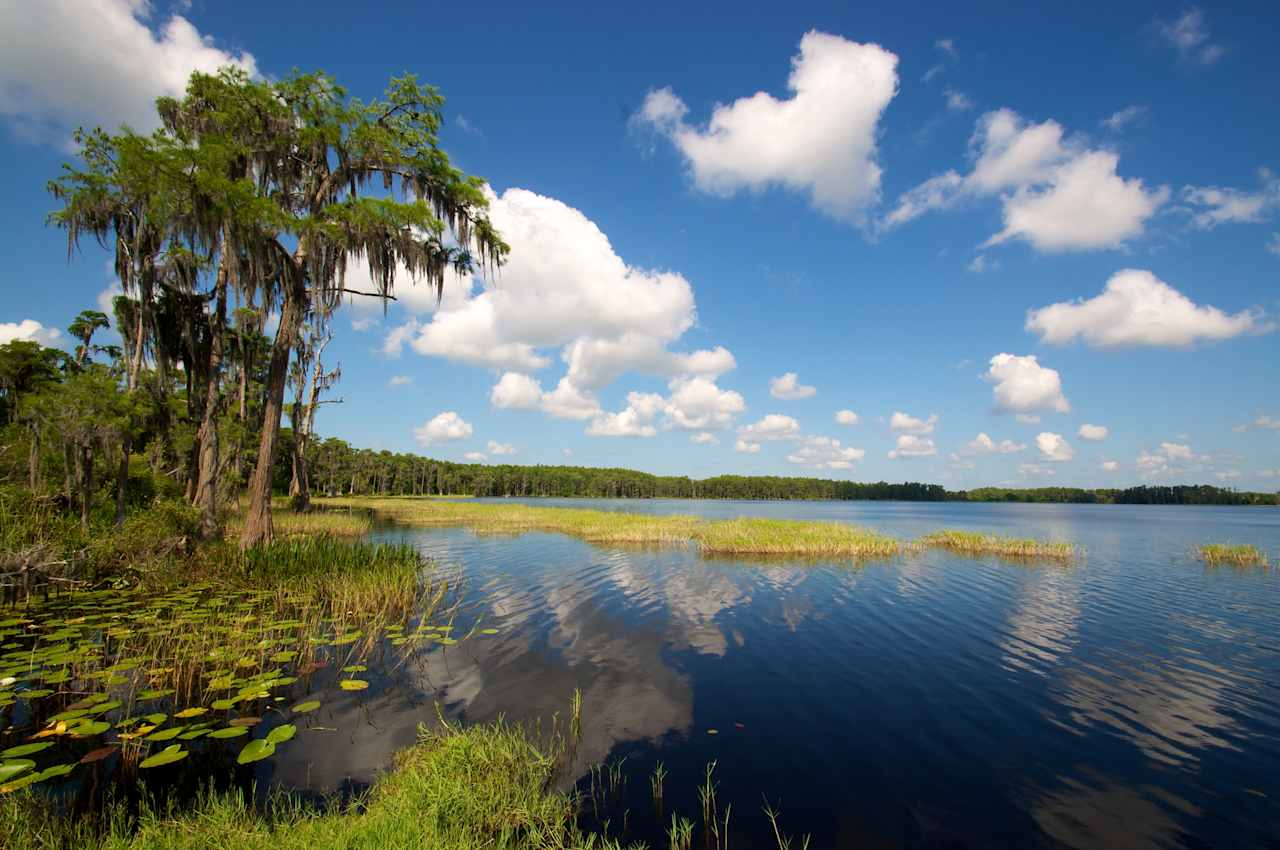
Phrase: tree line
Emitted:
{"points": [[340, 469]]}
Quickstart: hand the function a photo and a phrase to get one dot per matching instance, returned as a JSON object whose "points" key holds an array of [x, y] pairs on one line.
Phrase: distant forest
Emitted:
{"points": [[336, 468]]}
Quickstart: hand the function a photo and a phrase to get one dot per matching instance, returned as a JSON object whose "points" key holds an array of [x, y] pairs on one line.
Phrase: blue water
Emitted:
{"points": [[1131, 700]]}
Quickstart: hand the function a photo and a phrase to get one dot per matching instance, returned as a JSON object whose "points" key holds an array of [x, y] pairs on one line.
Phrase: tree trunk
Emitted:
{"points": [[69, 472], [33, 461], [207, 437], [86, 485], [122, 477], [257, 523]]}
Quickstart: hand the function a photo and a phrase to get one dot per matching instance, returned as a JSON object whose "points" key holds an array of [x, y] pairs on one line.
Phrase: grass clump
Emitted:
{"points": [[977, 543], [345, 524], [1233, 555], [460, 788], [793, 537]]}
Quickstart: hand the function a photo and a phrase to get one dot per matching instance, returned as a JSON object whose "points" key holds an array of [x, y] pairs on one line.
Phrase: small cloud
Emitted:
{"points": [[496, 448], [1034, 469], [1130, 115], [789, 388], [1092, 432], [1109, 466], [1190, 37], [931, 73], [911, 425], [399, 381], [1273, 244], [1028, 418], [567, 452], [982, 263], [847, 417], [1262, 423], [910, 445], [704, 438], [958, 101], [947, 46], [364, 323], [466, 126], [445, 427], [475, 457], [1054, 447]]}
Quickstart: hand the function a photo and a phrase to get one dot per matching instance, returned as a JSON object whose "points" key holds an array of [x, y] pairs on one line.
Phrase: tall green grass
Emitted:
{"points": [[976, 543], [1234, 555], [481, 788]]}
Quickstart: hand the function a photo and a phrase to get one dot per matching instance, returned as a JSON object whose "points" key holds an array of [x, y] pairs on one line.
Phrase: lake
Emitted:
{"points": [[1130, 700]]}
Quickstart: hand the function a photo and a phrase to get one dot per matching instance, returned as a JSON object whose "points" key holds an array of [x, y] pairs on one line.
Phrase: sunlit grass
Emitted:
{"points": [[977, 543], [1233, 555], [793, 537], [712, 537], [460, 788]]}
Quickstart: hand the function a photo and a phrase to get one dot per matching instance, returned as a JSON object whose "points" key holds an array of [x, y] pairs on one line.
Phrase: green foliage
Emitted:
{"points": [[464, 789], [25, 367]]}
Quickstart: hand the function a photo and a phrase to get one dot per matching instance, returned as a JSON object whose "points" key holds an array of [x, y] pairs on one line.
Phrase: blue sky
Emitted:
{"points": [[1019, 223]]}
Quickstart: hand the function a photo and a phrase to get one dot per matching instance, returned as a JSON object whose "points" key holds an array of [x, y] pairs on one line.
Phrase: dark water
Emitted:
{"points": [[1132, 700]]}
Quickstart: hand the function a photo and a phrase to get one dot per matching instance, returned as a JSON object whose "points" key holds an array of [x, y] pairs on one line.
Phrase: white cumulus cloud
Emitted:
{"points": [[824, 453], [821, 141], [984, 445], [1023, 386], [1056, 193], [1054, 447], [475, 457], [911, 425], [1092, 432], [29, 330], [789, 388], [704, 438], [847, 417], [1261, 423], [1109, 466], [496, 448], [443, 428], [910, 445], [70, 63], [774, 426], [1138, 309]]}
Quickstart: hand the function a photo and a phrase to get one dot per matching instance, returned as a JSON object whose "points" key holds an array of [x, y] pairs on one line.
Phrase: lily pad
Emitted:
{"points": [[353, 684], [28, 749], [14, 768], [168, 755], [98, 754], [256, 750], [355, 668], [229, 732], [166, 734], [282, 733], [245, 721], [306, 707], [191, 712]]}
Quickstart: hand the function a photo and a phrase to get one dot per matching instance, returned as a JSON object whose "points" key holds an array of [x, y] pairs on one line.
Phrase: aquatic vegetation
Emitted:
{"points": [[793, 537], [151, 673], [465, 789], [721, 537], [1235, 555], [977, 543]]}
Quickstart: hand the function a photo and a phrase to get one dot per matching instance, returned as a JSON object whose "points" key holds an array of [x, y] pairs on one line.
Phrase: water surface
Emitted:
{"points": [[1132, 700]]}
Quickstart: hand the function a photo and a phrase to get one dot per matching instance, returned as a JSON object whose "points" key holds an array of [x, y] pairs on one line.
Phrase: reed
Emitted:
{"points": [[1232, 555], [976, 543]]}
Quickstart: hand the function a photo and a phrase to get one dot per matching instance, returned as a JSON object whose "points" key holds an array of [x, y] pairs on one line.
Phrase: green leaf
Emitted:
{"points": [[28, 749], [256, 750], [13, 768], [229, 732], [282, 733], [166, 756], [353, 684], [165, 734], [306, 707]]}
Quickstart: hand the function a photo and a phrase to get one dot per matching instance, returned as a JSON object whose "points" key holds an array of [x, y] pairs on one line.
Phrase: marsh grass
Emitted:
{"points": [[464, 789], [711, 537], [1232, 555], [1016, 548], [348, 524]]}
